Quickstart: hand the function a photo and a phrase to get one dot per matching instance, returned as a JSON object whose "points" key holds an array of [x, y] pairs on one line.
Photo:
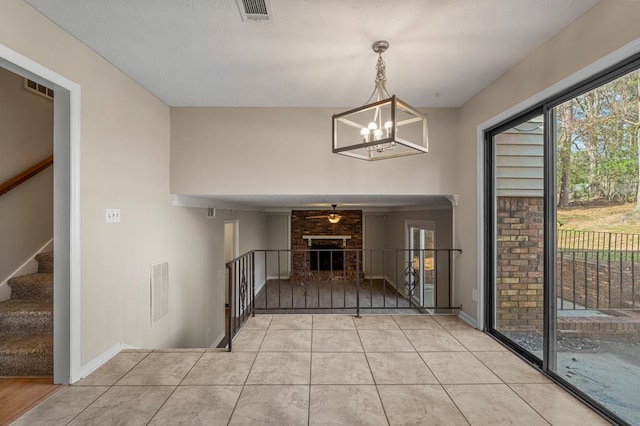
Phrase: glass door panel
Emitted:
{"points": [[518, 216], [596, 321], [421, 262]]}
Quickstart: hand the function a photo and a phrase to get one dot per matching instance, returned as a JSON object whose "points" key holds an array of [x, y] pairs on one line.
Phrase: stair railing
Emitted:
{"points": [[317, 280], [24, 176]]}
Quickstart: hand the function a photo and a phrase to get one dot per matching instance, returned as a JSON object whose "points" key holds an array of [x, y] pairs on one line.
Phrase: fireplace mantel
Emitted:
{"points": [[344, 238]]}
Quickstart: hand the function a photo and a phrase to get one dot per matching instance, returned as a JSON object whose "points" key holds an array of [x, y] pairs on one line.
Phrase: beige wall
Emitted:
{"points": [[603, 29], [288, 151], [125, 164], [26, 138], [278, 236]]}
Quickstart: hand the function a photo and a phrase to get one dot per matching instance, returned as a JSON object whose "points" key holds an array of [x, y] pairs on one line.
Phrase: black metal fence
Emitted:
{"points": [[338, 280], [598, 270]]}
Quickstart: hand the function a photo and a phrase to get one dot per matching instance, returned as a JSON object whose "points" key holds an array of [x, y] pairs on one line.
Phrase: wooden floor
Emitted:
{"points": [[19, 394]]}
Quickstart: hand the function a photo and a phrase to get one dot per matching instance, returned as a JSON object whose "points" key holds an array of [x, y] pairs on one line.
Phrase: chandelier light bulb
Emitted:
{"points": [[377, 134], [388, 125], [372, 126]]}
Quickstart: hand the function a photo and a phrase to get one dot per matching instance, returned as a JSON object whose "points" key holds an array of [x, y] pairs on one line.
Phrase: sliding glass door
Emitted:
{"points": [[517, 212], [562, 213]]}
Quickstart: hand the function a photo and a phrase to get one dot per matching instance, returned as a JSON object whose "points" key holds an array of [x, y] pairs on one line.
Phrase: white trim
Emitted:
{"points": [[217, 340], [468, 319], [309, 238], [67, 116], [374, 277], [585, 73], [101, 359], [275, 277], [4, 288]]}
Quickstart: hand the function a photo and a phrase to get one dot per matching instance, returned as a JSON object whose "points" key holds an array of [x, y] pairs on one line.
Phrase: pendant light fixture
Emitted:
{"points": [[385, 127]]}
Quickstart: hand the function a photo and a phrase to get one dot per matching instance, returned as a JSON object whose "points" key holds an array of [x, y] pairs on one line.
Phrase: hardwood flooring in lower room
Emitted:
{"points": [[19, 394]]}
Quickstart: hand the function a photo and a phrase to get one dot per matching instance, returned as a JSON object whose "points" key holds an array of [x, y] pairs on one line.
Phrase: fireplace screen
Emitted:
{"points": [[326, 258]]}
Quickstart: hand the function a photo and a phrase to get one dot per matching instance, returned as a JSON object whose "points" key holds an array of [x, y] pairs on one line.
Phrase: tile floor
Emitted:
{"points": [[322, 370]]}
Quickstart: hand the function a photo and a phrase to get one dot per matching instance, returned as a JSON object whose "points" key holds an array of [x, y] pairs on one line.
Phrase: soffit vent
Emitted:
{"points": [[255, 10]]}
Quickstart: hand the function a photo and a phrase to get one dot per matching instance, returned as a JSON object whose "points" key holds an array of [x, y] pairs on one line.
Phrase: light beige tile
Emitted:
{"points": [[434, 341], [272, 405], [198, 405], [259, 322], [395, 368], [452, 322], [130, 405], [376, 322], [161, 369], [510, 368], [333, 322], [458, 368], [419, 405], [291, 322], [281, 368], [476, 340], [180, 350], [417, 322], [61, 407], [113, 370], [493, 405], [385, 341], [146, 351], [221, 368], [351, 405], [340, 368], [557, 406], [248, 340], [287, 341], [336, 341]]}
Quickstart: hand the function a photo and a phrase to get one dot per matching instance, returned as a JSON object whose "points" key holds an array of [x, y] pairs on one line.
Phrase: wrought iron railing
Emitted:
{"points": [[341, 280], [598, 280]]}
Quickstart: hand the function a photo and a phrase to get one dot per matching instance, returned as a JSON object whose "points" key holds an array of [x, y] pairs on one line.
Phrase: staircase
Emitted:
{"points": [[26, 323]]}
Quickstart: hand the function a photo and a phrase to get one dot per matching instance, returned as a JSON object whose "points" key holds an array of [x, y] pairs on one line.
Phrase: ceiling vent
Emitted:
{"points": [[255, 10]]}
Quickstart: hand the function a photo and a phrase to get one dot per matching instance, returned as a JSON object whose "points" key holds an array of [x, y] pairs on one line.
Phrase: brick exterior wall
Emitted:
{"points": [[519, 278], [350, 224], [519, 263]]}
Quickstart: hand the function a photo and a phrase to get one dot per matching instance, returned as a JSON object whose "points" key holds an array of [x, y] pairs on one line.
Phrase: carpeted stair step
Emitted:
{"points": [[26, 316], [30, 355], [45, 262], [32, 286]]}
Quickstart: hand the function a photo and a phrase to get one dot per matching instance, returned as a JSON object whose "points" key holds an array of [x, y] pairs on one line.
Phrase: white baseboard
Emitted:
{"points": [[468, 319], [98, 361], [374, 277], [24, 269], [275, 277], [217, 340]]}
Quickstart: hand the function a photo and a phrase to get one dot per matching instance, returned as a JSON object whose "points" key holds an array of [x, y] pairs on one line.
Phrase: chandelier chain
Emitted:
{"points": [[381, 67]]}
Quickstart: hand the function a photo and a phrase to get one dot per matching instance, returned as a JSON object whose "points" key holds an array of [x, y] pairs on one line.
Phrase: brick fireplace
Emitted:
{"points": [[344, 235]]}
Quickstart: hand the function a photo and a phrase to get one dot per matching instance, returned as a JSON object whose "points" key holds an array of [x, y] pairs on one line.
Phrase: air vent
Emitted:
{"points": [[255, 10], [159, 291]]}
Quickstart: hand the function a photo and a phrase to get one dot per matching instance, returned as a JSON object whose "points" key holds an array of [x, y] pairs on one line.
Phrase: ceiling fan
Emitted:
{"points": [[332, 217]]}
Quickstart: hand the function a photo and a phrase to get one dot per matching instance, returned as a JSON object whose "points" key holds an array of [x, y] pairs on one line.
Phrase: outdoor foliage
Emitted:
{"points": [[598, 144]]}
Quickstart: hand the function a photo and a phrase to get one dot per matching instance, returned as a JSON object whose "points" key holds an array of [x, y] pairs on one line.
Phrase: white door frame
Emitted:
{"points": [[67, 335]]}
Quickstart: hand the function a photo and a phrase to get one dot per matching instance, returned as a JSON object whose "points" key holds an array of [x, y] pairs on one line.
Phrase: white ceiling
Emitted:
{"points": [[312, 52]]}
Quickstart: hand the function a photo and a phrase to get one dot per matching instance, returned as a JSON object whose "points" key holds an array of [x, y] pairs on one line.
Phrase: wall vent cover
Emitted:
{"points": [[255, 10], [159, 291]]}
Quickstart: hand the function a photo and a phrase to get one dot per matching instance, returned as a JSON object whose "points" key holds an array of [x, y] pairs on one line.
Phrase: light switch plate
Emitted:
{"points": [[112, 215]]}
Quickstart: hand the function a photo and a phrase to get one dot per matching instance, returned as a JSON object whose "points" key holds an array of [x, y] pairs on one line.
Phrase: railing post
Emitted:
{"points": [[230, 318], [253, 282], [357, 283]]}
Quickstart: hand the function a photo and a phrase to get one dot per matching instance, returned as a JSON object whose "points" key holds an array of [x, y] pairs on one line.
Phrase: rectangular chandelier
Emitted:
{"points": [[384, 129]]}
